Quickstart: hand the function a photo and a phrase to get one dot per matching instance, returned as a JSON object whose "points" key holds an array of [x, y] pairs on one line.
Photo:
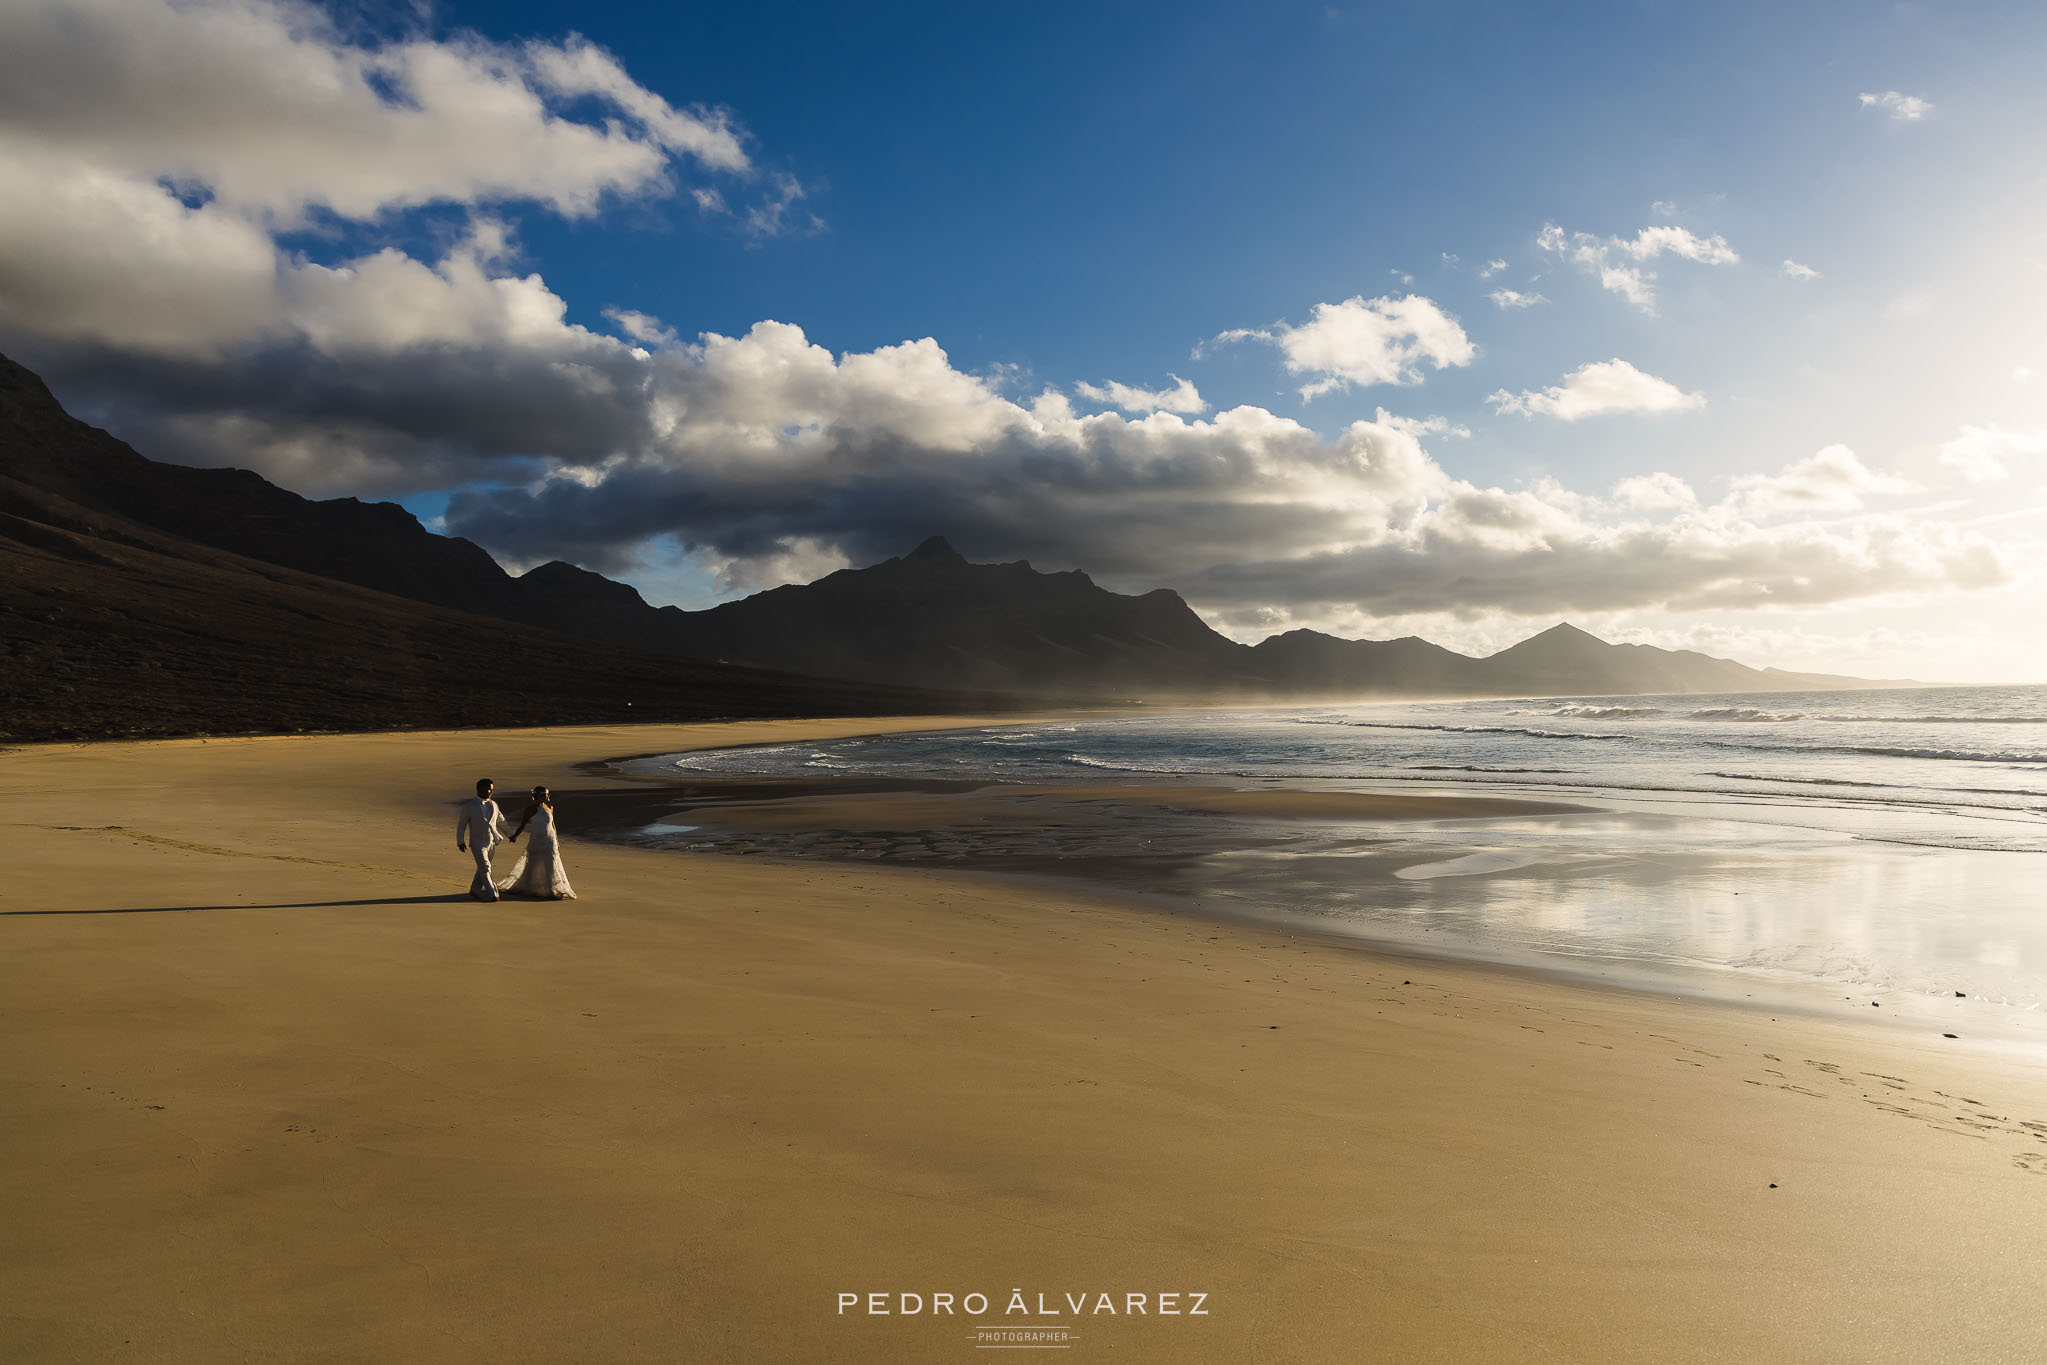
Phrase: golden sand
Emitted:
{"points": [[276, 1092]]}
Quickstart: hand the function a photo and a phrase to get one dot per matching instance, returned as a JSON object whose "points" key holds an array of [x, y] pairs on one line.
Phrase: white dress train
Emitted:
{"points": [[540, 873]]}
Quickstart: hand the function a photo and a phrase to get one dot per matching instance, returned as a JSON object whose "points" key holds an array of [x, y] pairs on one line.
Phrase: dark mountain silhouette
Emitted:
{"points": [[973, 625], [374, 545], [1309, 661], [929, 619], [1565, 658], [933, 616], [113, 627]]}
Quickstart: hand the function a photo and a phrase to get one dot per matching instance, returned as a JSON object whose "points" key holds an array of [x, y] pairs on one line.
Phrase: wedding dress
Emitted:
{"points": [[540, 873]]}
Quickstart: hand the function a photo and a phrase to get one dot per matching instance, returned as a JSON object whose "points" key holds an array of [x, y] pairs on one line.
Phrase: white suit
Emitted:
{"points": [[478, 825]]}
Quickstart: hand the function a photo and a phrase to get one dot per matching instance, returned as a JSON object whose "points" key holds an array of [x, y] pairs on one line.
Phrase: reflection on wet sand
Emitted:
{"points": [[1650, 900]]}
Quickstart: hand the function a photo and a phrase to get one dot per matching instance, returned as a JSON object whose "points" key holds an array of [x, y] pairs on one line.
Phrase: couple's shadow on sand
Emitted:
{"points": [[449, 898]]}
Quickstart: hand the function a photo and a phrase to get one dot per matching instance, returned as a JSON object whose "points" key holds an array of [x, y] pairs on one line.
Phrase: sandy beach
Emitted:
{"points": [[278, 1092]]}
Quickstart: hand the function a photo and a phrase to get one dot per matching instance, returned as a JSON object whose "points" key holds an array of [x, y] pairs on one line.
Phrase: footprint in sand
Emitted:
{"points": [[1794, 1089]]}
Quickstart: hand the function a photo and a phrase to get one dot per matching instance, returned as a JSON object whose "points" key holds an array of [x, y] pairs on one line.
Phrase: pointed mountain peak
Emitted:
{"points": [[1560, 641], [559, 570], [564, 582], [937, 548]]}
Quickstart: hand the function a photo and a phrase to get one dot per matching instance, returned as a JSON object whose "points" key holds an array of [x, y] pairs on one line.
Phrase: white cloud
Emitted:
{"points": [[388, 302], [1983, 454], [88, 255], [581, 68], [1420, 426], [1514, 298], [275, 113], [777, 214], [1616, 261], [1366, 342], [1182, 397], [1654, 493], [801, 560], [642, 327], [1491, 269], [1597, 388], [782, 445], [151, 153], [1792, 270], [1831, 480], [1901, 108]]}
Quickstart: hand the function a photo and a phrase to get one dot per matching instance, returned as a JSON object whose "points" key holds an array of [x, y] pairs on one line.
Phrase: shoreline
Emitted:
{"points": [[1146, 844], [281, 1089]]}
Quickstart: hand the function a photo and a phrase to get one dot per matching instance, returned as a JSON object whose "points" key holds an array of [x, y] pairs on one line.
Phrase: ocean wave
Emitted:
{"points": [[1940, 755], [1962, 842], [1784, 752], [1816, 781], [1942, 803], [1530, 731], [1848, 719], [1105, 765], [1886, 786], [1583, 711], [1763, 715], [1477, 768]]}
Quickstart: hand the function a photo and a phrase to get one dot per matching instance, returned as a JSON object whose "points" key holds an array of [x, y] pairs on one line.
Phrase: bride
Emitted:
{"points": [[540, 872]]}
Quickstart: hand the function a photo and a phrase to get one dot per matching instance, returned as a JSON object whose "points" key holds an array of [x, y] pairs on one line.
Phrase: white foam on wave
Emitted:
{"points": [[1949, 755], [1842, 718], [1530, 731], [1083, 761], [1884, 786], [1976, 843]]}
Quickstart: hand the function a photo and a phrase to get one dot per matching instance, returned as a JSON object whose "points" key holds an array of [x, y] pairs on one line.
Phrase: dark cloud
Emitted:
{"points": [[374, 423]]}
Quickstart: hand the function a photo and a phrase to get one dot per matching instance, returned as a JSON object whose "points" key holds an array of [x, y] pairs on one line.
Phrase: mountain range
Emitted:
{"points": [[119, 566], [112, 626]]}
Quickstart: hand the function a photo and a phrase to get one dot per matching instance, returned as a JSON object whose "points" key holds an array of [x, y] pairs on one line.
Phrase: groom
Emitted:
{"points": [[477, 830]]}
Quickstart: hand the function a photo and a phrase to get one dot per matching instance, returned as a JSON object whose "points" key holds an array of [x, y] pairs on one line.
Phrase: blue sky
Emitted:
{"points": [[470, 257], [1092, 191]]}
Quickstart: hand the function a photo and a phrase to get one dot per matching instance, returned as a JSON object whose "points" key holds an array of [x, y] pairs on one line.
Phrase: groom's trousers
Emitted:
{"points": [[481, 886]]}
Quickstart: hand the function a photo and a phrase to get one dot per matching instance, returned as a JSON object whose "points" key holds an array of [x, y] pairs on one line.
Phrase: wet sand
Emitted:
{"points": [[879, 807], [278, 1092]]}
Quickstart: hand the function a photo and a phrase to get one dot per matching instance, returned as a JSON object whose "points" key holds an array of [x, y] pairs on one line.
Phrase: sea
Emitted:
{"points": [[1870, 849]]}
